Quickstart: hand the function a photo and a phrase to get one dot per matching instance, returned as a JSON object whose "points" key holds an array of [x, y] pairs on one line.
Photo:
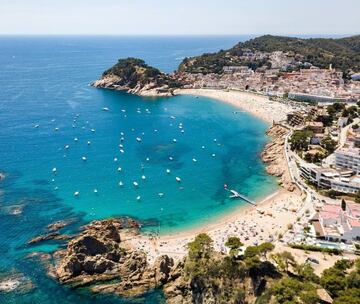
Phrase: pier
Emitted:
{"points": [[236, 194]]}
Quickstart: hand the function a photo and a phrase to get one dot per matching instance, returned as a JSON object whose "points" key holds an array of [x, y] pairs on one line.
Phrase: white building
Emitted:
{"points": [[348, 159]]}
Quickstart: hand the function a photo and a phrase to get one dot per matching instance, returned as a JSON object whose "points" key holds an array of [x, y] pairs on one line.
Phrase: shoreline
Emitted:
{"points": [[257, 105], [267, 221]]}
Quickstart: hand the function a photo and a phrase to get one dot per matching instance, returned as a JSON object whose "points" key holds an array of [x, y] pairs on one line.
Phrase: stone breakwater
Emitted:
{"points": [[274, 157]]}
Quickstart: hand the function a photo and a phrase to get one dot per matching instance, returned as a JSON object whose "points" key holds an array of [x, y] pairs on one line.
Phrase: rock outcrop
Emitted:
{"points": [[136, 77], [274, 157], [101, 259]]}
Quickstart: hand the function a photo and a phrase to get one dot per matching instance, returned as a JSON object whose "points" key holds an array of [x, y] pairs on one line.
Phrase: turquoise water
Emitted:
{"points": [[44, 82]]}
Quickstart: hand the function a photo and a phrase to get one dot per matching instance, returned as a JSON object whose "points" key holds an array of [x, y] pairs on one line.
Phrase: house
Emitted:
{"points": [[315, 126]]}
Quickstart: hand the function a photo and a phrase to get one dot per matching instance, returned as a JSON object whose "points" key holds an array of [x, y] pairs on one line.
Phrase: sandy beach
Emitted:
{"points": [[257, 105], [268, 221]]}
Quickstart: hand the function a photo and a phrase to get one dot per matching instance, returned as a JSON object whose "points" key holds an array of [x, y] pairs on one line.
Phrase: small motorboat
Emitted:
{"points": [[93, 130], [95, 191], [84, 158], [119, 169], [36, 126], [89, 142], [76, 139], [121, 184], [161, 194], [106, 109], [194, 160], [67, 147], [168, 171], [143, 177], [76, 193], [171, 158], [138, 139], [178, 179], [54, 170], [135, 184], [115, 159], [138, 198], [174, 140]]}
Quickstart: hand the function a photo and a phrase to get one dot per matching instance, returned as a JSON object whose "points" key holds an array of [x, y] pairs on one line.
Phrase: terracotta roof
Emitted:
{"points": [[318, 229]]}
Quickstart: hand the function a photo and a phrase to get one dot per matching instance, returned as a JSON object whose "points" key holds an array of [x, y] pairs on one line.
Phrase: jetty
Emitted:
{"points": [[236, 194]]}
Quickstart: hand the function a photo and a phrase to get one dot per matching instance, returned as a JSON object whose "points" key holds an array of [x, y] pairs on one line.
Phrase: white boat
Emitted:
{"points": [[76, 139], [89, 142], [93, 130], [155, 130], [105, 109], [121, 146], [194, 160], [123, 110], [147, 159], [171, 158], [168, 171], [161, 194], [121, 184], [122, 139], [172, 117], [178, 179], [56, 129], [36, 126], [84, 158], [174, 140], [122, 133], [138, 139], [213, 155], [143, 177], [122, 151], [135, 184], [182, 131], [76, 193], [67, 147], [95, 191], [202, 147], [54, 170], [138, 198], [119, 169], [115, 159]]}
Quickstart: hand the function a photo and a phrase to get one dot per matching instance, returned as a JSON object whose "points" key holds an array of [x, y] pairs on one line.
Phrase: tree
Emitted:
{"points": [[265, 248], [328, 144], [306, 273], [284, 260], [357, 197], [234, 244], [343, 205], [300, 140], [201, 247]]}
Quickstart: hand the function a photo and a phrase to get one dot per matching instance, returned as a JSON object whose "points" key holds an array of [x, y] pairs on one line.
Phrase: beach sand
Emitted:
{"points": [[268, 221], [257, 105]]}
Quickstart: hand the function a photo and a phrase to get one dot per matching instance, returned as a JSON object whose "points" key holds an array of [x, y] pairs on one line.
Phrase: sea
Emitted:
{"points": [[73, 152]]}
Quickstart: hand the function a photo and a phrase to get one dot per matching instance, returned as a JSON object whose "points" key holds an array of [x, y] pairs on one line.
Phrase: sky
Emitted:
{"points": [[179, 17]]}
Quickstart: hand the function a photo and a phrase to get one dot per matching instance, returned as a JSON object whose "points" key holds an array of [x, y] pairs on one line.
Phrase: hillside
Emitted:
{"points": [[343, 54], [137, 77]]}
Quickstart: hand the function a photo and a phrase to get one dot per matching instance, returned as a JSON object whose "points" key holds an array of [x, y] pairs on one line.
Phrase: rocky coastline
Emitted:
{"points": [[274, 157], [101, 259]]}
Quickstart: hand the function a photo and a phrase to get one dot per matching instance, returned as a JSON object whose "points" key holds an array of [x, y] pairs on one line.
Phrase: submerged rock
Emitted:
{"points": [[15, 282]]}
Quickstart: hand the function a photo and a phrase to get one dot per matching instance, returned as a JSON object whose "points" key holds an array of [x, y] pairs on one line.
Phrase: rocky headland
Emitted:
{"points": [[274, 157], [136, 77]]}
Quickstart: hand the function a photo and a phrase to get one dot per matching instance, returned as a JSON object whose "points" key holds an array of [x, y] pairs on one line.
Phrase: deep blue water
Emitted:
{"points": [[44, 81]]}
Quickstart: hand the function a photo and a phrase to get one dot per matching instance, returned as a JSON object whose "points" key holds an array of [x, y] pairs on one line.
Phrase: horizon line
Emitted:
{"points": [[179, 35]]}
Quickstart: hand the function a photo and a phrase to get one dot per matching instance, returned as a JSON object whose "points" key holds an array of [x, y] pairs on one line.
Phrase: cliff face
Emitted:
{"points": [[274, 157], [136, 77]]}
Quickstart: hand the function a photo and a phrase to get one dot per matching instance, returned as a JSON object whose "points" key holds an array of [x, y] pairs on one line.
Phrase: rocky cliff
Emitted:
{"points": [[136, 77], [273, 156]]}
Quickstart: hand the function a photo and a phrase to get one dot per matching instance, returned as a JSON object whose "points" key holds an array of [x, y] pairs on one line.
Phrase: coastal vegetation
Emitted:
{"points": [[99, 259], [342, 54]]}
